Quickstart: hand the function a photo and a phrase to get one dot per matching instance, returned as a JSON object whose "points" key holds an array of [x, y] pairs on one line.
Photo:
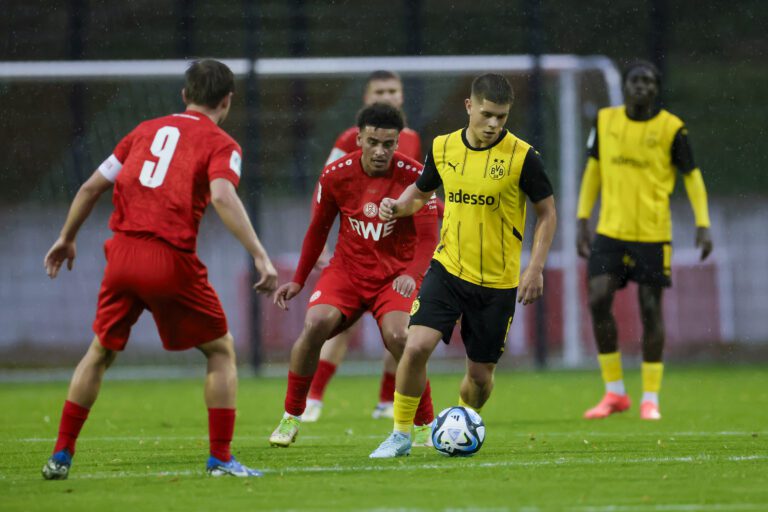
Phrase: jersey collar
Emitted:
{"points": [[469, 146]]}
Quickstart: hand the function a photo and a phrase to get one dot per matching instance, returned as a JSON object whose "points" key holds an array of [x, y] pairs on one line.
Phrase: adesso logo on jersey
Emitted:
{"points": [[372, 230], [462, 197]]}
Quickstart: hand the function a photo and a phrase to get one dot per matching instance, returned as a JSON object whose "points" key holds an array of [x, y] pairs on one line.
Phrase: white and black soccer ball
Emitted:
{"points": [[458, 432]]}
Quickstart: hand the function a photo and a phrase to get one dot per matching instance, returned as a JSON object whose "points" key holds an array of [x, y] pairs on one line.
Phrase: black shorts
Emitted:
{"points": [[643, 262], [486, 313]]}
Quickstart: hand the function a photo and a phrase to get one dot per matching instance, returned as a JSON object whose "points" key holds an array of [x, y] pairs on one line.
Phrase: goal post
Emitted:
{"points": [[566, 69]]}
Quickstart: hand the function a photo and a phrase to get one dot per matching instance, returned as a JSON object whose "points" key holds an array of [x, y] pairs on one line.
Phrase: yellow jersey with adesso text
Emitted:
{"points": [[482, 233], [637, 175]]}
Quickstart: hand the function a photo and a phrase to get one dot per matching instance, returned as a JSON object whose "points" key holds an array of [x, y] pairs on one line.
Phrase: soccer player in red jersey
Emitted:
{"points": [[384, 87], [377, 266], [163, 174]]}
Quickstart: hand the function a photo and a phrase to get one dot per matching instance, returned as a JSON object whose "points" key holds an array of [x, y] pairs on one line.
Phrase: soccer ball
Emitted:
{"points": [[458, 432]]}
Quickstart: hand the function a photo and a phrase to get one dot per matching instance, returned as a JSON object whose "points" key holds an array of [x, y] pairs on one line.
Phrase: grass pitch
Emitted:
{"points": [[145, 444]]}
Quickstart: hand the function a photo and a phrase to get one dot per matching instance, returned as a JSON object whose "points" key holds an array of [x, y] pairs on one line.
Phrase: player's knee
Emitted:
{"points": [[223, 347], [599, 302], [416, 351], [101, 355], [317, 329], [395, 341]]}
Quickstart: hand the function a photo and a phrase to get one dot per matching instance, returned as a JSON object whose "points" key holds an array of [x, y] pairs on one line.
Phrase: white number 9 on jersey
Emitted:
{"points": [[163, 146]]}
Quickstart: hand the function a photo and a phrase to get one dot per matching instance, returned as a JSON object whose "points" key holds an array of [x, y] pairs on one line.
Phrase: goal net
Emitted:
{"points": [[64, 118]]}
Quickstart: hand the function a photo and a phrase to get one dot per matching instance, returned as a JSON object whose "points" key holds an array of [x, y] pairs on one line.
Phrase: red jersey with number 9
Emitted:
{"points": [[162, 172]]}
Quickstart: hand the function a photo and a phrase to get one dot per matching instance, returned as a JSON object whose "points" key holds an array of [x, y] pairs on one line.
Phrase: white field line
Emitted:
{"points": [[539, 435], [692, 507], [459, 463]]}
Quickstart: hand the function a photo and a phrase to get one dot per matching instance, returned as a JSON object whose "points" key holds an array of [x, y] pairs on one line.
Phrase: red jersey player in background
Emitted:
{"points": [[380, 87], [377, 266], [164, 174]]}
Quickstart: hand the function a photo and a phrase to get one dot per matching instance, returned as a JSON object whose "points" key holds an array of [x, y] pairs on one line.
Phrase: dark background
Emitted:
{"points": [[714, 56]]}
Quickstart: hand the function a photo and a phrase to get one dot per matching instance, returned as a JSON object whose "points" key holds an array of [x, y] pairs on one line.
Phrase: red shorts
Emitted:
{"points": [[353, 298], [172, 284]]}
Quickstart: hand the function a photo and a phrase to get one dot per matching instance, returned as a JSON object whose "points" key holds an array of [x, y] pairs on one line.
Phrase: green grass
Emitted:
{"points": [[144, 446]]}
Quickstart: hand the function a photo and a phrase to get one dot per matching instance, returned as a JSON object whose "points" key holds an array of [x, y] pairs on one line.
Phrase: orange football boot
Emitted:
{"points": [[649, 411], [610, 404]]}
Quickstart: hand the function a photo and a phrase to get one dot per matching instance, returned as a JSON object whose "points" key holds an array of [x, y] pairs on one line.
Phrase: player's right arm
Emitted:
{"points": [[232, 213], [415, 196], [64, 249], [324, 212], [590, 188]]}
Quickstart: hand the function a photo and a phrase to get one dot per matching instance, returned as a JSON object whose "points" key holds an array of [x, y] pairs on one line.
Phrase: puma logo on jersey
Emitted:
{"points": [[372, 230], [453, 166]]}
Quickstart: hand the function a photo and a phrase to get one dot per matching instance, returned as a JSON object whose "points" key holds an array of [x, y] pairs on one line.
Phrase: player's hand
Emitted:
{"points": [[286, 293], [405, 285], [531, 286], [268, 275], [703, 241], [60, 251], [324, 259], [387, 209], [583, 238]]}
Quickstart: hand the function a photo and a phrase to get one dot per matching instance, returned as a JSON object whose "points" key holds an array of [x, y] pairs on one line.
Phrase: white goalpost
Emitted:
{"points": [[567, 68]]}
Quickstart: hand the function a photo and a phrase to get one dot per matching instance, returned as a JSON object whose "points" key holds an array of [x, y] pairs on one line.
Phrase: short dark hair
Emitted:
{"points": [[493, 87], [640, 63], [380, 115], [208, 82], [381, 74]]}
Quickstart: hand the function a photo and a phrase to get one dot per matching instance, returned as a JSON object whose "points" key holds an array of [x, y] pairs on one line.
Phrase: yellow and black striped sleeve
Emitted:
{"points": [[534, 181]]}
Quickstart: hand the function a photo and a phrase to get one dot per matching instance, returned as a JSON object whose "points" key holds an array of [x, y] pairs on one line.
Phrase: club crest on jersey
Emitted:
{"points": [[315, 296], [370, 210], [497, 169]]}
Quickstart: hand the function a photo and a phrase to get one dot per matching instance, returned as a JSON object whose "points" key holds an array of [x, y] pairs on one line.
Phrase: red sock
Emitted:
{"points": [[387, 389], [323, 375], [296, 395], [221, 426], [72, 418], [425, 413]]}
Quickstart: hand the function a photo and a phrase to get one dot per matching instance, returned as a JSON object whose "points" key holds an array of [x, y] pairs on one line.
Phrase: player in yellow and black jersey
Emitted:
{"points": [[487, 174], [635, 153]]}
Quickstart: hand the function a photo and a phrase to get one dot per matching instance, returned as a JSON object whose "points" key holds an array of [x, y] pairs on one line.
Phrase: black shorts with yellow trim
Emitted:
{"points": [[486, 313], [647, 263]]}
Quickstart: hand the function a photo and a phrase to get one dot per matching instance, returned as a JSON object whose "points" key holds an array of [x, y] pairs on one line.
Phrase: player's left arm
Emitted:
{"points": [[425, 222], [682, 158], [535, 184], [64, 248]]}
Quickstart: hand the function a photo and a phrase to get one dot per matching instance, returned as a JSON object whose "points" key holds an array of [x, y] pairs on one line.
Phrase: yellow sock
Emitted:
{"points": [[652, 374], [404, 412], [462, 403], [610, 365]]}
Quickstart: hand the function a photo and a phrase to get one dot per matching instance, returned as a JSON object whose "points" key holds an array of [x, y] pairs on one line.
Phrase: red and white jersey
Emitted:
{"points": [[162, 172], [409, 144], [368, 248]]}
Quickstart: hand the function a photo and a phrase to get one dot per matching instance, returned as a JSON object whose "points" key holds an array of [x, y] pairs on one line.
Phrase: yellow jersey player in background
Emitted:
{"points": [[487, 174], [634, 152]]}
